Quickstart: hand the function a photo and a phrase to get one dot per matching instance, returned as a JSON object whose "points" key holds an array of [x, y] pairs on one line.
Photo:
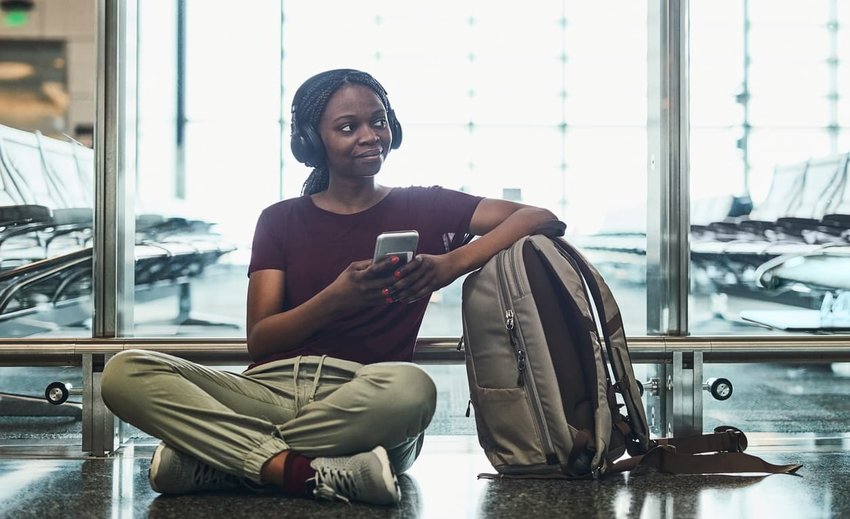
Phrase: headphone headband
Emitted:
{"points": [[306, 143]]}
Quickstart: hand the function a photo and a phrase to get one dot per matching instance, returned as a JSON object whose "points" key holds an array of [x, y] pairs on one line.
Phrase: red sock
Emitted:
{"points": [[296, 472]]}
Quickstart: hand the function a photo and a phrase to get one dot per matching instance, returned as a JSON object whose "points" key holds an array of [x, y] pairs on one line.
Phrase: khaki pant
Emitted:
{"points": [[317, 406]]}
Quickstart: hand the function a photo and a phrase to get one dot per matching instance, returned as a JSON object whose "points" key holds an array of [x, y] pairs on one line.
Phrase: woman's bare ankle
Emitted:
{"points": [[272, 471]]}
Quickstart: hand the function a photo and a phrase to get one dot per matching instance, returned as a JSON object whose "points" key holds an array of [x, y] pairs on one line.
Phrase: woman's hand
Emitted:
{"points": [[423, 275], [363, 284]]}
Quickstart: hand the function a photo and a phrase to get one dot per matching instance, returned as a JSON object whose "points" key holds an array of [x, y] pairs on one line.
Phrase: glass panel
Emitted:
{"points": [[768, 165], [553, 96], [47, 97], [209, 160], [563, 97], [450, 416], [842, 77], [604, 176]]}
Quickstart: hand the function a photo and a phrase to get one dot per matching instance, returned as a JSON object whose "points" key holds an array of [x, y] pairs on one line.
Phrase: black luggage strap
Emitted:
{"points": [[665, 459], [724, 439]]}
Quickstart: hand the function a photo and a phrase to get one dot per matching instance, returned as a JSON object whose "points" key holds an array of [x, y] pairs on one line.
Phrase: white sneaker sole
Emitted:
{"points": [[387, 473]]}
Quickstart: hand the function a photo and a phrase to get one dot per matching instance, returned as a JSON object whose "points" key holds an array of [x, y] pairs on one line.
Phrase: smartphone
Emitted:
{"points": [[400, 243]]}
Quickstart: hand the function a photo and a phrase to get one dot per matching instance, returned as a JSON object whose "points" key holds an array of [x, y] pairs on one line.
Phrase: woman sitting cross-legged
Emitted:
{"points": [[332, 406]]}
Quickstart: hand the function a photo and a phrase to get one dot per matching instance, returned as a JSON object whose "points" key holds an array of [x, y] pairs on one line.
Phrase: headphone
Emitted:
{"points": [[306, 143]]}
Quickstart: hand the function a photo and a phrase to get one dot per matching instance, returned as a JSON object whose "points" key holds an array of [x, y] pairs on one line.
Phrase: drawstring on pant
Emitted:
{"points": [[296, 368], [316, 378]]}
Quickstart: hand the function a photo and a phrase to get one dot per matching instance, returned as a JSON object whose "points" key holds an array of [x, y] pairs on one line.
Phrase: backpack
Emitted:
{"points": [[544, 376]]}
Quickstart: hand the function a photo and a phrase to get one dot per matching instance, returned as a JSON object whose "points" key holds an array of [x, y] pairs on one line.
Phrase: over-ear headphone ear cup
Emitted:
{"points": [[307, 146], [298, 147], [395, 128]]}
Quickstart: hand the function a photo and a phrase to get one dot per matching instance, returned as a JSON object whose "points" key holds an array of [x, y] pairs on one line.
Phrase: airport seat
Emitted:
{"points": [[732, 266], [799, 196], [824, 271], [746, 245], [46, 200], [807, 208], [620, 247], [46, 221], [781, 198]]}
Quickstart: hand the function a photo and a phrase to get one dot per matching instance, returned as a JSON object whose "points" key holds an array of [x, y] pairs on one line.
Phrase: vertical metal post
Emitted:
{"points": [[674, 401], [743, 98], [834, 61], [673, 408], [180, 117], [115, 146], [660, 378], [686, 394], [114, 215], [99, 426], [88, 412], [667, 252]]}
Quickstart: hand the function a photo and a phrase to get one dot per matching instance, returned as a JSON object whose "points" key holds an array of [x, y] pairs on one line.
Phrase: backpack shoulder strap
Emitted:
{"points": [[615, 343]]}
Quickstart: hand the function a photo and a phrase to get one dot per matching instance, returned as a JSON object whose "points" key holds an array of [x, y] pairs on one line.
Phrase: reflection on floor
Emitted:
{"points": [[441, 484]]}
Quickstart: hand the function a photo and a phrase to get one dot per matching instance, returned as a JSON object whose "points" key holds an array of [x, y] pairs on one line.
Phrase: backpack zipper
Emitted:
{"points": [[519, 347], [510, 323], [520, 355]]}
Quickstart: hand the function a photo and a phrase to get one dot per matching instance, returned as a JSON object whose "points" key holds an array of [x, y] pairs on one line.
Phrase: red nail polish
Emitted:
{"points": [[394, 259], [390, 300], [397, 274], [385, 291]]}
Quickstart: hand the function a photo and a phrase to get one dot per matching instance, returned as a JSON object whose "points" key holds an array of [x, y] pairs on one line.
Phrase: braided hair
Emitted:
{"points": [[309, 104]]}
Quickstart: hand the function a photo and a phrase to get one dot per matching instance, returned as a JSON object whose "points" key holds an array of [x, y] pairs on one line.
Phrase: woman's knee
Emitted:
{"points": [[409, 392], [116, 385]]}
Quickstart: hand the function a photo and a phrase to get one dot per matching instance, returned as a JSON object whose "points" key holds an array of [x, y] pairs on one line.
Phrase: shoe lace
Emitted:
{"points": [[335, 483]]}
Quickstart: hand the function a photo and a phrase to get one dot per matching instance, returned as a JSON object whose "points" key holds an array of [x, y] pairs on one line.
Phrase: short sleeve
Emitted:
{"points": [[455, 215], [267, 247]]}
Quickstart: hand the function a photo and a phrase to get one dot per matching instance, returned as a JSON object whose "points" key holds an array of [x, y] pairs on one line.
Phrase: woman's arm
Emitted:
{"points": [[270, 331], [498, 223]]}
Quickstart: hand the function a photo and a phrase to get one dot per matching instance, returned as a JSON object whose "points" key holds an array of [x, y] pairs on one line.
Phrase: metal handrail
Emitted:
{"points": [[648, 350], [40, 270]]}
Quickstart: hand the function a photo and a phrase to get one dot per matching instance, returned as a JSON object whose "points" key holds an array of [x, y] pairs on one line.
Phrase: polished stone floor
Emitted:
{"points": [[792, 413], [45, 482]]}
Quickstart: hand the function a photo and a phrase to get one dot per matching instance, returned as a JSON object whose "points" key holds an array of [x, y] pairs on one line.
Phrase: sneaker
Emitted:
{"points": [[173, 472], [367, 477]]}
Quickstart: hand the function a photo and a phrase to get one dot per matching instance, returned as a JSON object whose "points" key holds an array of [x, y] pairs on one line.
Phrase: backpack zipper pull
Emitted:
{"points": [[509, 319], [520, 360], [460, 344], [468, 406], [509, 326]]}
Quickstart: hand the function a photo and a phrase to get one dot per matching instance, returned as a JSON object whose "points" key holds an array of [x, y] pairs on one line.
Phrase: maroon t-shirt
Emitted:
{"points": [[314, 246]]}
